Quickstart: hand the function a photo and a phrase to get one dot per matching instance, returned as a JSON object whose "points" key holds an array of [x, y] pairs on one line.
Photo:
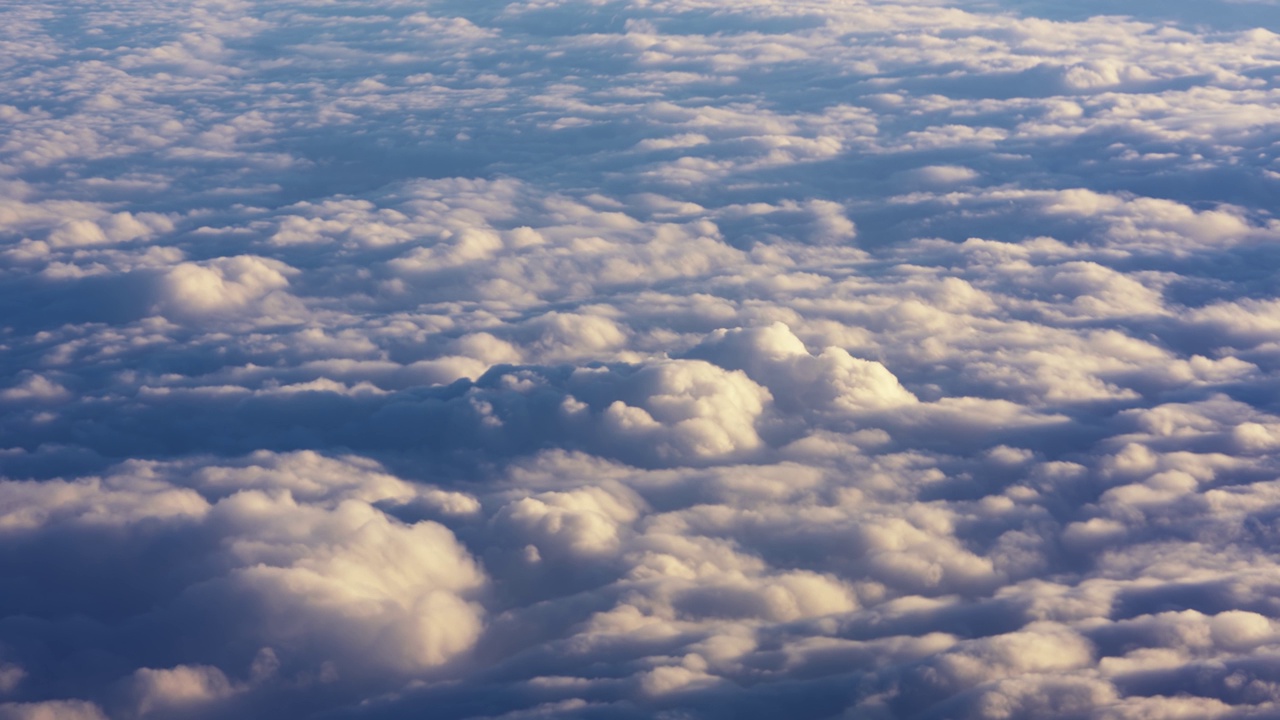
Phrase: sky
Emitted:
{"points": [[674, 359]]}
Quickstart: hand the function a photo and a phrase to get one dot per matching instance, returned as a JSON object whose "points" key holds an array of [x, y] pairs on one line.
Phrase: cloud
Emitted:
{"points": [[161, 691], [638, 358], [832, 381], [222, 286], [308, 566], [48, 710]]}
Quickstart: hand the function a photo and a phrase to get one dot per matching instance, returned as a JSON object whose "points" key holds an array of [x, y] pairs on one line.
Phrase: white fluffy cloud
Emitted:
{"points": [[638, 358]]}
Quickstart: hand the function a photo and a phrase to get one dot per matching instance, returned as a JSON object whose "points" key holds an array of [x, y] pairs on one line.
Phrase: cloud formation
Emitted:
{"points": [[638, 358]]}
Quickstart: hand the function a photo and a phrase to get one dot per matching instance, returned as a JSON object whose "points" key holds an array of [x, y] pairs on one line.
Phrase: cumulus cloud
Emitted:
{"points": [[51, 710], [832, 380], [224, 285], [640, 358]]}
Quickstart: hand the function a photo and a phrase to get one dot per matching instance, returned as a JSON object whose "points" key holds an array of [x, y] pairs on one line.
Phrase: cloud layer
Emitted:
{"points": [[638, 358]]}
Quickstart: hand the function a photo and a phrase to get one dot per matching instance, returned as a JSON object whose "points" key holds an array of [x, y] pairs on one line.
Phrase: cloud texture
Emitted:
{"points": [[639, 359]]}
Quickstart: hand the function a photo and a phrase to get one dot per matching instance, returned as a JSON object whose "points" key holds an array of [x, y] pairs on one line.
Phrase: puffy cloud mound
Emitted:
{"points": [[687, 409], [292, 557], [223, 285], [831, 381], [638, 359]]}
